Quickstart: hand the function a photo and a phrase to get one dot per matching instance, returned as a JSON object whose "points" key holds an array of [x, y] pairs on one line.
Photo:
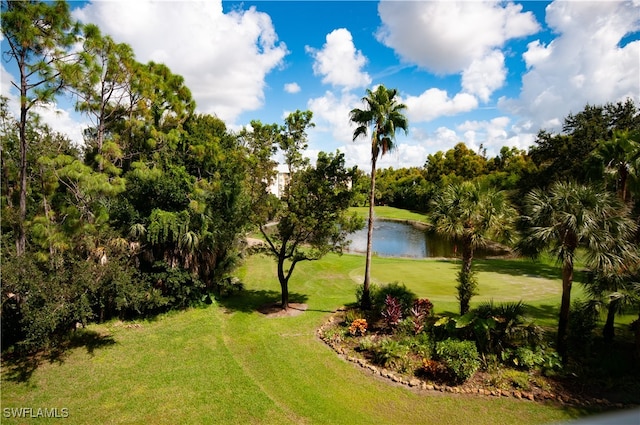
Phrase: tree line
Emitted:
{"points": [[150, 212], [576, 193]]}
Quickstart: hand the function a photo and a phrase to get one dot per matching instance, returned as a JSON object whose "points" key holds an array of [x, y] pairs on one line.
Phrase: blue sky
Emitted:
{"points": [[479, 72]]}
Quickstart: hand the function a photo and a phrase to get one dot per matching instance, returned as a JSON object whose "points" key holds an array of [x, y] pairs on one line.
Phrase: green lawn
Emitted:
{"points": [[229, 364], [391, 213]]}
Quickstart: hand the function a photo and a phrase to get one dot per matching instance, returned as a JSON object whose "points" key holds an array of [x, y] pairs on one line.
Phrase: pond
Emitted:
{"points": [[401, 239]]}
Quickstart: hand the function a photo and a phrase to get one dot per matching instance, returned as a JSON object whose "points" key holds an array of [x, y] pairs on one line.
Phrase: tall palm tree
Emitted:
{"points": [[570, 215], [382, 115], [471, 215]]}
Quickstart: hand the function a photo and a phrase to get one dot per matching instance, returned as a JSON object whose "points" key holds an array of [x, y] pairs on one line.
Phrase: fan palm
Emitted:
{"points": [[619, 157], [381, 116], [568, 216], [471, 215]]}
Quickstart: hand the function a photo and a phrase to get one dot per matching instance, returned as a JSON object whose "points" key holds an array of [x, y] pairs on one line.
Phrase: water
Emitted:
{"points": [[398, 239]]}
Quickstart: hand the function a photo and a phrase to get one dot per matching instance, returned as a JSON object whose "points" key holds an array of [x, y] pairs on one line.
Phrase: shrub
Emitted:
{"points": [[582, 322], [390, 353], [392, 312], [358, 327], [460, 357], [517, 379], [353, 314], [538, 358], [421, 310], [398, 291], [406, 326], [420, 344], [367, 344], [434, 370]]}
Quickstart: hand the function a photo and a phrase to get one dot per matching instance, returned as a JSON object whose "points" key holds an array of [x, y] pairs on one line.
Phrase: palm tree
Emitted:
{"points": [[471, 215], [382, 115], [615, 291], [570, 215], [619, 157]]}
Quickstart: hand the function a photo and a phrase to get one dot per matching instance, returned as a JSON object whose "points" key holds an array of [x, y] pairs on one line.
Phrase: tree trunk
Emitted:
{"points": [[366, 293], [284, 284], [608, 331], [637, 335], [21, 240], [563, 321], [466, 288]]}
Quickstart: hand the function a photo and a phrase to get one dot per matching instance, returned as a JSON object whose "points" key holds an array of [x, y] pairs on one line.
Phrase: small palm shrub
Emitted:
{"points": [[460, 357], [390, 353]]}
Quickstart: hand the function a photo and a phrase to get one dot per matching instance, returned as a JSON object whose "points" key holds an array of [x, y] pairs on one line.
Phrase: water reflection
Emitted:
{"points": [[398, 239]]}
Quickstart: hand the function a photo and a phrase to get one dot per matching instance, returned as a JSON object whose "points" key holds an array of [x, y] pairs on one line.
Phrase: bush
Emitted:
{"points": [[358, 327], [460, 357], [390, 353], [421, 345], [398, 291], [434, 370], [351, 315], [392, 312], [421, 310], [539, 358], [582, 323]]}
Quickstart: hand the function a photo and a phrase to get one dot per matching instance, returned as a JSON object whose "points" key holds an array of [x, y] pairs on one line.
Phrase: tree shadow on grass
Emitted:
{"points": [[248, 301], [517, 268], [20, 366], [543, 312]]}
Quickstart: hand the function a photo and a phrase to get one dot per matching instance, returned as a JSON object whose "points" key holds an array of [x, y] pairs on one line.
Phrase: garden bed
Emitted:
{"points": [[424, 374]]}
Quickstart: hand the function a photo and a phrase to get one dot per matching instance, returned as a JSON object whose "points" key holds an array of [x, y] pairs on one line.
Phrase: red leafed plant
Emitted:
{"points": [[392, 312]]}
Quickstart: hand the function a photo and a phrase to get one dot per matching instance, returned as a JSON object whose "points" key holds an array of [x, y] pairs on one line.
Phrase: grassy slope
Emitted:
{"points": [[231, 364]]}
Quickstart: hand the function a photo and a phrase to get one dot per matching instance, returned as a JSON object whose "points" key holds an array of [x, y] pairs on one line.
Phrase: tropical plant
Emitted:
{"points": [[381, 117], [471, 215], [460, 357], [568, 216], [392, 312], [619, 157]]}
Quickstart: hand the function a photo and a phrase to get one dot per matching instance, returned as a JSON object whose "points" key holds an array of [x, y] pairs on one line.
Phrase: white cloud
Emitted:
{"points": [[8, 90], [584, 64], [224, 58], [292, 88], [434, 103], [331, 115], [61, 121], [447, 37], [485, 75], [402, 156], [338, 62]]}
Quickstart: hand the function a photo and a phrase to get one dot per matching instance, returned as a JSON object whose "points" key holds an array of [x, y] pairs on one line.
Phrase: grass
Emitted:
{"points": [[391, 213], [229, 364]]}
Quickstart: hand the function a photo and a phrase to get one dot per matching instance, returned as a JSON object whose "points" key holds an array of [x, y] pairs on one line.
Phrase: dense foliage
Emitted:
{"points": [[150, 213]]}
